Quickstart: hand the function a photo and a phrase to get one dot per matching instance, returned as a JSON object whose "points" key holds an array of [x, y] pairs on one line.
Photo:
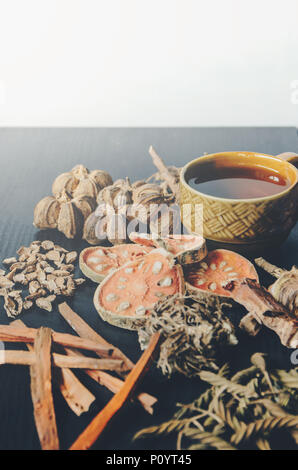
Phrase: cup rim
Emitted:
{"points": [[238, 152]]}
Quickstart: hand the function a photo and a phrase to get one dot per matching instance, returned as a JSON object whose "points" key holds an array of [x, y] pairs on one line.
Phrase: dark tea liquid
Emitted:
{"points": [[236, 182]]}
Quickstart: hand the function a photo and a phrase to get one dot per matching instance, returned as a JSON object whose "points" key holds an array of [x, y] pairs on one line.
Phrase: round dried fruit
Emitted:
{"points": [[97, 262], [127, 296], [187, 249], [212, 275]]}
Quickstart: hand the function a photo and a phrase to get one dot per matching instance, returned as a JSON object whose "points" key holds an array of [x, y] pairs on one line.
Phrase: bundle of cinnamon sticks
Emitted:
{"points": [[110, 369]]}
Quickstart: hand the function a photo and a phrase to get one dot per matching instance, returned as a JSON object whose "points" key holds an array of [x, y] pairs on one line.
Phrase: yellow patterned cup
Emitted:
{"points": [[244, 225]]}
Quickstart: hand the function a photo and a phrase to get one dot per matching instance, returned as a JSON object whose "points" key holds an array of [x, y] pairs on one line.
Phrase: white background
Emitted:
{"points": [[148, 62]]}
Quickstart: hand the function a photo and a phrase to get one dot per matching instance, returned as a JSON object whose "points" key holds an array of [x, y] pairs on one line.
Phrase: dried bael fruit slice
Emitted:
{"points": [[96, 262], [187, 249], [126, 296], [213, 274]]}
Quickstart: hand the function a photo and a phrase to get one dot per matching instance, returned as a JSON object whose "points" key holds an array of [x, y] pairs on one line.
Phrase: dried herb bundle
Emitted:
{"points": [[252, 409], [195, 331]]}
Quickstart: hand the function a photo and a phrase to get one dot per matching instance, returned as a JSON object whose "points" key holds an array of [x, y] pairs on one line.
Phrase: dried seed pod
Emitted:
{"points": [[117, 229], [130, 202], [85, 204], [64, 182], [101, 178], [77, 189], [70, 220], [46, 213], [86, 187], [95, 226]]}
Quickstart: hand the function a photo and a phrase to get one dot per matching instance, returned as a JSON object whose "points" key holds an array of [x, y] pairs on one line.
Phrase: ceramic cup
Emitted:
{"points": [[245, 225]]}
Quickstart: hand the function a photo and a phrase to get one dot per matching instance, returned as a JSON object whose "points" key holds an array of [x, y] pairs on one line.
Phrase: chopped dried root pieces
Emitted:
{"points": [[211, 276], [144, 281], [41, 391], [98, 424], [46, 269], [97, 262]]}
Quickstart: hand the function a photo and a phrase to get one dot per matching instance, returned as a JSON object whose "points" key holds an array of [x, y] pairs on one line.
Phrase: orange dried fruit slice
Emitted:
{"points": [[187, 249], [212, 275], [127, 296], [96, 262]]}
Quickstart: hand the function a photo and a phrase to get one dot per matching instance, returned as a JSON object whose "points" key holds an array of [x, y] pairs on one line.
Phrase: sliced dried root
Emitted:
{"points": [[212, 275], [187, 249], [144, 281], [97, 262]]}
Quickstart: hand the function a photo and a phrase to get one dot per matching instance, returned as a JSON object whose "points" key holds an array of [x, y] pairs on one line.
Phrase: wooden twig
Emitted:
{"points": [[27, 335], [41, 391], [28, 358], [112, 383], [76, 395], [270, 268], [164, 172], [98, 424], [86, 332]]}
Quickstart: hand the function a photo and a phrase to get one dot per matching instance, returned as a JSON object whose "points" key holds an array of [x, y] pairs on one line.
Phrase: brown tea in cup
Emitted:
{"points": [[222, 180]]}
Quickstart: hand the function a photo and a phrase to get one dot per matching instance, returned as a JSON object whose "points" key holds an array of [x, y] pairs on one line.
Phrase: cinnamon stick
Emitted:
{"points": [[76, 395], [27, 335], [41, 391], [98, 424], [112, 383], [59, 360], [86, 332]]}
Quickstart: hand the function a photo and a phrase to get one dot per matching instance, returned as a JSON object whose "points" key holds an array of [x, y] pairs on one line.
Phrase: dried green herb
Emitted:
{"points": [[195, 331], [252, 409]]}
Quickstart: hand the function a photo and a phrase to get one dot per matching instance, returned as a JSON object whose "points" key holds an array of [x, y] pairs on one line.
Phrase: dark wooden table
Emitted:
{"points": [[30, 160]]}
